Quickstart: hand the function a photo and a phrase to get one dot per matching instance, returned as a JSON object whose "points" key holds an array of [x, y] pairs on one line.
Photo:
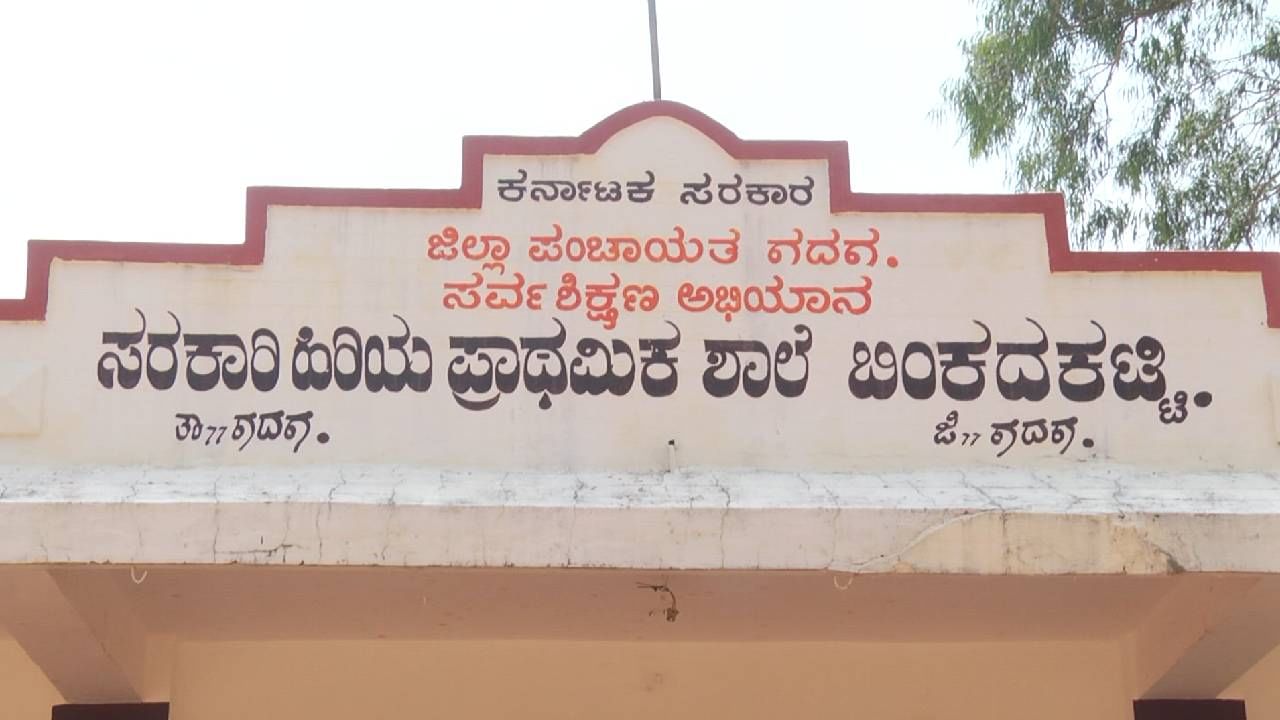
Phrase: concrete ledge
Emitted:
{"points": [[996, 521]]}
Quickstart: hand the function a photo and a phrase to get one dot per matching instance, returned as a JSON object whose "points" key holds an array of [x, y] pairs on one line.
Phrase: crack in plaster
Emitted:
{"points": [[267, 553], [991, 501], [1073, 500], [44, 549], [217, 518], [724, 514], [327, 510], [833, 503], [1119, 503], [1164, 556], [391, 514], [131, 503], [925, 499], [289, 503], [573, 520], [892, 558]]}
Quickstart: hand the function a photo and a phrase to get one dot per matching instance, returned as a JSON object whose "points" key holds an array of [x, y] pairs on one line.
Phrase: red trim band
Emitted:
{"points": [[41, 253]]}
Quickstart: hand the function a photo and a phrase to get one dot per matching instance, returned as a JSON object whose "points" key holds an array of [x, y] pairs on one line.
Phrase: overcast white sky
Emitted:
{"points": [[131, 120]]}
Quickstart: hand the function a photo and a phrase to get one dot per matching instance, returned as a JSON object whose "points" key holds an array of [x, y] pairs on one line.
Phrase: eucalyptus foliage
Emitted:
{"points": [[1159, 120]]}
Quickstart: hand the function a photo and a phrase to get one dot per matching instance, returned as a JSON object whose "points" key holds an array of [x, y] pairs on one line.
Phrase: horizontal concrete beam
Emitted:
{"points": [[1103, 520]]}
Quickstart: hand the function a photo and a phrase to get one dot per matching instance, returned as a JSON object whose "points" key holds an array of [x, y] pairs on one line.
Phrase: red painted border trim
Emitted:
{"points": [[41, 253]]}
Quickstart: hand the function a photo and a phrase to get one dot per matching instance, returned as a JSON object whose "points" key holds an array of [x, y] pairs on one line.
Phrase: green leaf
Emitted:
{"points": [[1159, 120]]}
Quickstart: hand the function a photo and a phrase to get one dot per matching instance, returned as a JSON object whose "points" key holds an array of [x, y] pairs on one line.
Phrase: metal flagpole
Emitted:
{"points": [[653, 49]]}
